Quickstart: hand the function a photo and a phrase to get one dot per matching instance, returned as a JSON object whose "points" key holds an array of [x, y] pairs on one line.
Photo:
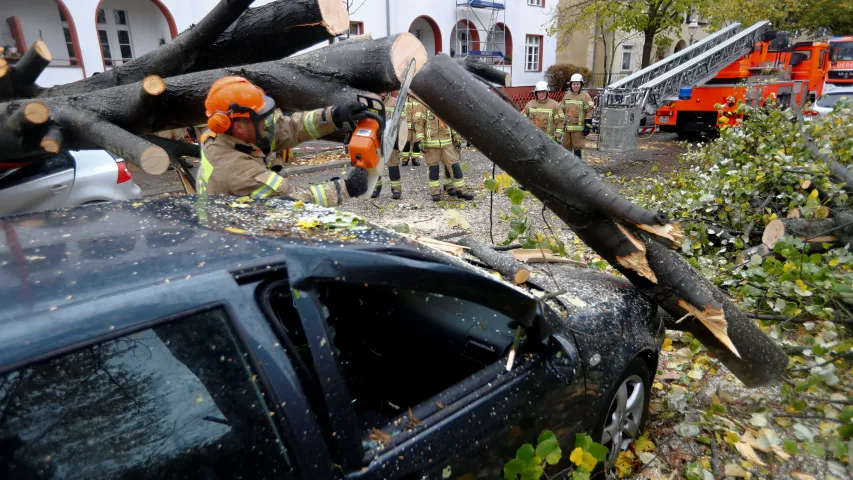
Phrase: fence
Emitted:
{"points": [[522, 95]]}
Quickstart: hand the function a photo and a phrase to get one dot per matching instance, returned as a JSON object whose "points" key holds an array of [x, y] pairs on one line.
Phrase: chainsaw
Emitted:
{"points": [[375, 136]]}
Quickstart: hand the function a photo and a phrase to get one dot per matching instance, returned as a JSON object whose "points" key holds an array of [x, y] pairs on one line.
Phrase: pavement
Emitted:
{"points": [[479, 217]]}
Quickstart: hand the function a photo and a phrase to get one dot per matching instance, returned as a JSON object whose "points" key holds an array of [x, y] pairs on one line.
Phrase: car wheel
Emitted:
{"points": [[627, 411]]}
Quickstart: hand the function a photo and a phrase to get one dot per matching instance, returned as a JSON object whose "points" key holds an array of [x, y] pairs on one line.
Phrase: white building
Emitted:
{"points": [[89, 36]]}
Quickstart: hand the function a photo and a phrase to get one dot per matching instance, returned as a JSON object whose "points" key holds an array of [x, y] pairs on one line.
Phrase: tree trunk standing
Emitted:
{"points": [[648, 44], [316, 79], [572, 191], [261, 34]]}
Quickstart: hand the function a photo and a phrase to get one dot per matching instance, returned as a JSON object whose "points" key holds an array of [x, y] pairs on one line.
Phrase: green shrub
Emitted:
{"points": [[558, 75]]}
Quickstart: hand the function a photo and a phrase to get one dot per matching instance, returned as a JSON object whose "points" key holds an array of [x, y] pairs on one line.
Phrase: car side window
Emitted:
{"points": [[406, 353], [39, 167], [177, 401]]}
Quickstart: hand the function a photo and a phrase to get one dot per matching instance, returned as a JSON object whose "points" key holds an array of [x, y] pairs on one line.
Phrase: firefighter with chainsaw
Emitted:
{"points": [[545, 112], [412, 151], [578, 106], [394, 160], [439, 142], [241, 133]]}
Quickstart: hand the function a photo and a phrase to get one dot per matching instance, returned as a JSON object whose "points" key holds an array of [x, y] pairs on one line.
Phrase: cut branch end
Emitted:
{"points": [[335, 16], [153, 85], [405, 48], [714, 319], [154, 160]]}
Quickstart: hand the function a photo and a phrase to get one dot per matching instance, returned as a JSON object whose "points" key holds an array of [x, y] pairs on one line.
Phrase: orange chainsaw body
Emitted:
{"points": [[364, 148]]}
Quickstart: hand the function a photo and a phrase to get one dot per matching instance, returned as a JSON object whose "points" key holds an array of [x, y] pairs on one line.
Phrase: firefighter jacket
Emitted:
{"points": [[411, 113], [431, 130], [578, 108], [547, 115], [231, 167]]}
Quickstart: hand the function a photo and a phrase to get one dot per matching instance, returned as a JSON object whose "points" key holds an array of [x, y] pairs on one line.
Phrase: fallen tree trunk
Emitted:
{"points": [[501, 262], [317, 79], [592, 210], [485, 71], [228, 35]]}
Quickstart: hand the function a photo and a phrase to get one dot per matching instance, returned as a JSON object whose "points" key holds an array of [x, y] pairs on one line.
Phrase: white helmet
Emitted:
{"points": [[541, 87], [576, 77]]}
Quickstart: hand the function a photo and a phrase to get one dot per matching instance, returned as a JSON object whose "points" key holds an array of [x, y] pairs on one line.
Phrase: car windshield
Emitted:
{"points": [[842, 51], [829, 100]]}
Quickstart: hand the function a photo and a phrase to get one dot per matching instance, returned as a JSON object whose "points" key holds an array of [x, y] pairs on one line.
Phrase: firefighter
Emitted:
{"points": [[239, 137], [412, 150], [545, 112], [578, 107], [393, 160], [440, 142]]}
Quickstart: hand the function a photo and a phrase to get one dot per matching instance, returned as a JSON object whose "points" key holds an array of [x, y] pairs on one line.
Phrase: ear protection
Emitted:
{"points": [[219, 122]]}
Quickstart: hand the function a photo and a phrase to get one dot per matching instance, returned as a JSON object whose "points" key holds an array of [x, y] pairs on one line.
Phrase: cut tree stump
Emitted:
{"points": [[320, 78], [229, 35], [502, 263], [578, 196]]}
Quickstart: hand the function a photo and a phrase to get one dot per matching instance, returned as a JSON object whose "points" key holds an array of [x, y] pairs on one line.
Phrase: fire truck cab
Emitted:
{"points": [[840, 72]]}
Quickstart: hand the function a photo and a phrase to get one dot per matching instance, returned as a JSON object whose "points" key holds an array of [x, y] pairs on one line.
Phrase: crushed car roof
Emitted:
{"points": [[63, 255]]}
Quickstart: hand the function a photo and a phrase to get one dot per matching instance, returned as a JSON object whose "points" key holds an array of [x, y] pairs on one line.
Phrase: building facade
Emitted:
{"points": [[89, 36]]}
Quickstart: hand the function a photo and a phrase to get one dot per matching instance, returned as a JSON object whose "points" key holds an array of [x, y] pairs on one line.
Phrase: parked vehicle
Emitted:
{"points": [[772, 69], [826, 103], [65, 179], [188, 338], [840, 72]]}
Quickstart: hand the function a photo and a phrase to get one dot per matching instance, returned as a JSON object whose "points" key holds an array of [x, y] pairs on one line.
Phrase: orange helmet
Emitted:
{"points": [[232, 97]]}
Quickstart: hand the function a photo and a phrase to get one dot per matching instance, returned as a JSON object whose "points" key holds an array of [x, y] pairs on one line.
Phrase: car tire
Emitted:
{"points": [[636, 380]]}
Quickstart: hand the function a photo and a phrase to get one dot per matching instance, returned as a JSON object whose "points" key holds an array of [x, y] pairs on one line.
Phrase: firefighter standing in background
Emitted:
{"points": [[240, 137], [394, 159], [439, 143], [578, 107], [545, 112], [412, 150]]}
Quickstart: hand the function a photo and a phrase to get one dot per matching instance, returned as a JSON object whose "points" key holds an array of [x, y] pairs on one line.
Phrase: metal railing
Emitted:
{"points": [[601, 80]]}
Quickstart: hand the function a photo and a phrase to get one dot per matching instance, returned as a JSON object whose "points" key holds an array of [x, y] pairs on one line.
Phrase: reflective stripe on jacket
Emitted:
{"points": [[547, 115], [431, 130], [577, 107]]}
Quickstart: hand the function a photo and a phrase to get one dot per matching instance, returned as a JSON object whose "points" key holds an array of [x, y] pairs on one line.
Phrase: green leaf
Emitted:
{"points": [[838, 448], [465, 166], [846, 431], [815, 449], [532, 472], [583, 441], [598, 451], [515, 195], [525, 453], [790, 446], [847, 413], [402, 228], [549, 450], [491, 184], [545, 435], [755, 260], [513, 469], [578, 475]]}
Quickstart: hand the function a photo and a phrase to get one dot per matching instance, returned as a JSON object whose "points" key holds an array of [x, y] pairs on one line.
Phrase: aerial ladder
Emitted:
{"points": [[625, 102]]}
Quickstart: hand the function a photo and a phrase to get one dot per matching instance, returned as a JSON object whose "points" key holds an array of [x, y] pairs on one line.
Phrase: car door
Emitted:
{"points": [[413, 362], [44, 184]]}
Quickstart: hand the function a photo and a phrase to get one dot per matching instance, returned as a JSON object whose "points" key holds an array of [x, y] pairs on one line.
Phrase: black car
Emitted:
{"points": [[184, 338]]}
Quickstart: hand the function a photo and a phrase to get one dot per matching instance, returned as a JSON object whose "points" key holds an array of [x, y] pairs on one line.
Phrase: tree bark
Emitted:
{"points": [[229, 35], [569, 189], [484, 71], [517, 145], [501, 262], [648, 43], [320, 78], [28, 115], [30, 66], [6, 88], [52, 140]]}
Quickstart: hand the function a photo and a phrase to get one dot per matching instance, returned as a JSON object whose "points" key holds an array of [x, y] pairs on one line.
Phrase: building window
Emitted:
{"points": [[120, 16], [356, 28], [536, 3], [124, 44], [417, 33], [626, 57], [105, 47], [102, 17], [69, 42], [533, 53], [462, 43]]}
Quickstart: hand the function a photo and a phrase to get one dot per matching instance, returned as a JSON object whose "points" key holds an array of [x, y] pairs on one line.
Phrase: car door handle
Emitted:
{"points": [[58, 188]]}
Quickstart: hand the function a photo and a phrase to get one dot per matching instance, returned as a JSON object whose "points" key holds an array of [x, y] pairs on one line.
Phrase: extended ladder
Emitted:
{"points": [[659, 83]]}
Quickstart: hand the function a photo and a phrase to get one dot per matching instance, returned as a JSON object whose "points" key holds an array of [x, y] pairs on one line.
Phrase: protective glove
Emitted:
{"points": [[587, 127], [350, 112], [356, 182]]}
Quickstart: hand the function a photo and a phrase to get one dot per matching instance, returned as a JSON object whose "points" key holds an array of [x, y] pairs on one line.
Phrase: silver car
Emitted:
{"points": [[66, 179]]}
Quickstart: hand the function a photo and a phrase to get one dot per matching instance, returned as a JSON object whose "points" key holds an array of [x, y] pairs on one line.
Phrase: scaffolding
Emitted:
{"points": [[477, 32]]}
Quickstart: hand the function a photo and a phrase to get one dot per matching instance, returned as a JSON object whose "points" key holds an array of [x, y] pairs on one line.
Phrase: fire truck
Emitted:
{"points": [[772, 69], [840, 72]]}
